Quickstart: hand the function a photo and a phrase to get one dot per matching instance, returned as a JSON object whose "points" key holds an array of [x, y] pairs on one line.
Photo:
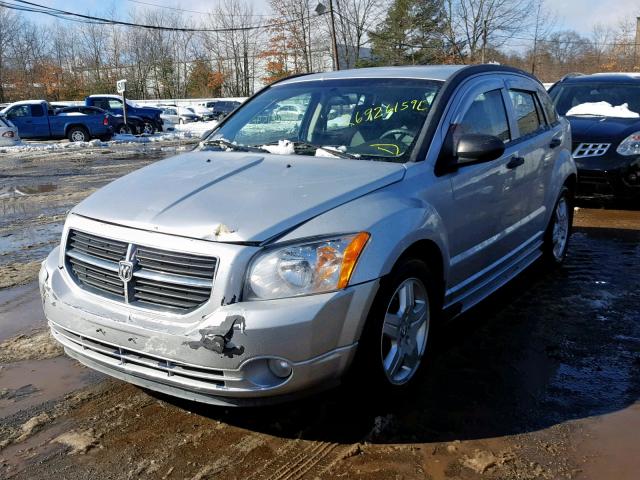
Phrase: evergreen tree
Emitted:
{"points": [[412, 33]]}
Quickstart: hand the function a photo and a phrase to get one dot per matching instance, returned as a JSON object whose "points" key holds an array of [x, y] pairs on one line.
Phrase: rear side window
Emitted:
{"points": [[549, 108], [528, 113], [37, 110], [487, 116]]}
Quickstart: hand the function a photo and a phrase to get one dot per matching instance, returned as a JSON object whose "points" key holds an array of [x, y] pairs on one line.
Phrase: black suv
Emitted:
{"points": [[222, 108], [604, 112]]}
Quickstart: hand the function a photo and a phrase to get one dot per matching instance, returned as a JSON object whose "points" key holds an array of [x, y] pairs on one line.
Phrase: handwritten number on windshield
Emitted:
{"points": [[385, 112]]}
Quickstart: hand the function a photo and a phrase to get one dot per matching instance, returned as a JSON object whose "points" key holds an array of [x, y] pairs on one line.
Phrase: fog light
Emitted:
{"points": [[280, 368], [633, 177]]}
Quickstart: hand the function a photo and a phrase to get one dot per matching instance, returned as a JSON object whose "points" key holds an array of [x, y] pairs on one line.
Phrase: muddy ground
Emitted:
{"points": [[540, 381]]}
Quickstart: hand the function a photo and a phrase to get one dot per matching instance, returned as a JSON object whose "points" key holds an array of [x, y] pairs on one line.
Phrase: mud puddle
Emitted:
{"points": [[32, 243], [33, 382], [20, 310]]}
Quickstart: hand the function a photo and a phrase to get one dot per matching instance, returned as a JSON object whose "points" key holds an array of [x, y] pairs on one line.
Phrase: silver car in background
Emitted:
{"points": [[283, 254], [8, 133]]}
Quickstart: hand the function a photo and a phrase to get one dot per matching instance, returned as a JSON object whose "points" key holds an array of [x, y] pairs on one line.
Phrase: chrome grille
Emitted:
{"points": [[160, 279], [584, 150]]}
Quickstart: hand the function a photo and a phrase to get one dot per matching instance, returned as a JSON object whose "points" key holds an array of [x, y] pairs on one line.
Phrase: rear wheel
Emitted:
{"points": [[78, 134], [556, 240], [148, 128], [396, 336]]}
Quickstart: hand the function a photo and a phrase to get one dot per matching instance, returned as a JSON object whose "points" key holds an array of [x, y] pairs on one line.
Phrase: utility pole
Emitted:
{"points": [[321, 10], [336, 60], [484, 41], [535, 41]]}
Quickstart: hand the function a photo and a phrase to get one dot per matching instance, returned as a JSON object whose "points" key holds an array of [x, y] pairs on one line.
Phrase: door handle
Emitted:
{"points": [[515, 162], [555, 142]]}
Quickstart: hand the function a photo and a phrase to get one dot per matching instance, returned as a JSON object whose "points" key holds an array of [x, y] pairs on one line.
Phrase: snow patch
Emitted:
{"points": [[284, 147], [604, 109]]}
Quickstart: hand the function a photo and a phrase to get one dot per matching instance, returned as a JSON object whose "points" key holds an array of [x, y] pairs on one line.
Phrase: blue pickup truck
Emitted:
{"points": [[113, 103], [36, 119]]}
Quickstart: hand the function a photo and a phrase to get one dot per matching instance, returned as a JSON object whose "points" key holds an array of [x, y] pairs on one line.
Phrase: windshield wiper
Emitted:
{"points": [[222, 143], [306, 147]]}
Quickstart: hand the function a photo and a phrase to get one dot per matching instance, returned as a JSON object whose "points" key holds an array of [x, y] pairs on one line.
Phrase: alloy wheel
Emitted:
{"points": [[404, 331], [560, 233]]}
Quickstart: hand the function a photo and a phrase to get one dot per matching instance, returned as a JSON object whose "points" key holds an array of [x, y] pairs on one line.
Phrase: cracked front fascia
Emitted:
{"points": [[218, 338]]}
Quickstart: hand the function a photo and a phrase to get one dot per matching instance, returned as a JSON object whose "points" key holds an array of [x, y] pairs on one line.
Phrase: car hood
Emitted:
{"points": [[234, 196], [602, 129]]}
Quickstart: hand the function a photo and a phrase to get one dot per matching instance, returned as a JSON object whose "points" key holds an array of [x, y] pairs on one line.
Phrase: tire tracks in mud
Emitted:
{"points": [[292, 462]]}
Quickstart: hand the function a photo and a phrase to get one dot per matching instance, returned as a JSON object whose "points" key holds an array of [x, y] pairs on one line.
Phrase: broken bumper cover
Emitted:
{"points": [[315, 335]]}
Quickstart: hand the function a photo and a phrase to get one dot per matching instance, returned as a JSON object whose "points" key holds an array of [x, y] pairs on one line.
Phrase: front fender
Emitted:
{"points": [[395, 223]]}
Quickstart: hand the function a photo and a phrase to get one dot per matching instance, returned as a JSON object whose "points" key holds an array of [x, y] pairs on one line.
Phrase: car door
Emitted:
{"points": [[20, 116], [39, 121], [486, 200], [536, 141]]}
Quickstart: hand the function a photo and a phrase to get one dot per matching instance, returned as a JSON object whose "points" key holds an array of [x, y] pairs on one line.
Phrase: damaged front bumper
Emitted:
{"points": [[314, 336]]}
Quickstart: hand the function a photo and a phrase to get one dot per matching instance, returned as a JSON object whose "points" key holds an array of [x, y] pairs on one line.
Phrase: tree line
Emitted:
{"points": [[232, 50]]}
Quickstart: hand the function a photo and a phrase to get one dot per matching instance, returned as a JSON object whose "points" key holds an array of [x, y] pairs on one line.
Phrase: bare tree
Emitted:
{"points": [[354, 19], [471, 22]]}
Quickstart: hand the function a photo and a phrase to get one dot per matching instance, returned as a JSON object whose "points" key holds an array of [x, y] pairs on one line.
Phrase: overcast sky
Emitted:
{"points": [[578, 15]]}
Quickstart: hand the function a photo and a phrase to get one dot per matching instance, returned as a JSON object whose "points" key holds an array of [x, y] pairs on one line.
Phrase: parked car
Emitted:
{"points": [[219, 108], [205, 114], [604, 112], [273, 259], [36, 119], [187, 114], [135, 125], [113, 104], [178, 115], [8, 133], [289, 112]]}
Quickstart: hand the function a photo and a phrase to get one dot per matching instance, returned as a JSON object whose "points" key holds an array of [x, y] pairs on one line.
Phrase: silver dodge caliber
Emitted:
{"points": [[287, 251]]}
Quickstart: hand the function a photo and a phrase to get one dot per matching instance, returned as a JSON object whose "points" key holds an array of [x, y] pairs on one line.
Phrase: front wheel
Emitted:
{"points": [[123, 129], [148, 128], [556, 241], [396, 336]]}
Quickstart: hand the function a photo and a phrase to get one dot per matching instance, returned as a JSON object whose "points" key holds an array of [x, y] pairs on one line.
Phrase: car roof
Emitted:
{"points": [[423, 72], [27, 102], [614, 77], [106, 95]]}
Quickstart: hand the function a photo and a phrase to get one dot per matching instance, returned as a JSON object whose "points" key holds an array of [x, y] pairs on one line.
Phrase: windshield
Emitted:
{"points": [[597, 99], [360, 118]]}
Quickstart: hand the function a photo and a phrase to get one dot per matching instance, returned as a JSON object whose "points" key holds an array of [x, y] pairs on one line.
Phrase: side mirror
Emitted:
{"points": [[476, 148]]}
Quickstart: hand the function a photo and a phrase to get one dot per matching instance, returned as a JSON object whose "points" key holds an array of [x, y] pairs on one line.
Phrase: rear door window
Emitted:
{"points": [[486, 116], [37, 110], [528, 112], [549, 108]]}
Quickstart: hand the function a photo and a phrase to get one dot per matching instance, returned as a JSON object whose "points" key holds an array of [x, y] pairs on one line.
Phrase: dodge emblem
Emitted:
{"points": [[125, 270]]}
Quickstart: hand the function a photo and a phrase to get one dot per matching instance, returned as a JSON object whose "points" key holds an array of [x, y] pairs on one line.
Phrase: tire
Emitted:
{"points": [[123, 129], [558, 233], [394, 342], [148, 128], [78, 134]]}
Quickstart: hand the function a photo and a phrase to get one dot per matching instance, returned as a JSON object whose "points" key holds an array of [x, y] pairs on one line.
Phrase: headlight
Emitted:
{"points": [[630, 145], [304, 268]]}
